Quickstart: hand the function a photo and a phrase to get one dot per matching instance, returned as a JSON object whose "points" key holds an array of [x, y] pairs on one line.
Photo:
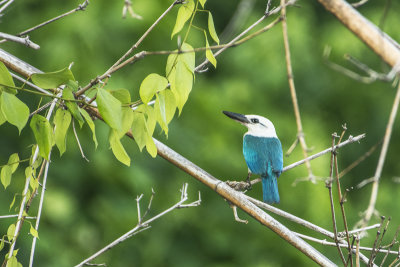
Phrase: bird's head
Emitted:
{"points": [[256, 125]]}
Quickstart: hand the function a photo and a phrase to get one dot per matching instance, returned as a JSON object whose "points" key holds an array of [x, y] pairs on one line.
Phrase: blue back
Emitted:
{"points": [[263, 155]]}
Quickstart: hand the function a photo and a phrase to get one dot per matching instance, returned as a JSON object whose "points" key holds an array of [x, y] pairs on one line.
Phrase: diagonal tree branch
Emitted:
{"points": [[382, 44]]}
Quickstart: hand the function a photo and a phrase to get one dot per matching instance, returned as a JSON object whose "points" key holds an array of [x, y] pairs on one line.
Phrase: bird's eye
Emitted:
{"points": [[254, 120]]}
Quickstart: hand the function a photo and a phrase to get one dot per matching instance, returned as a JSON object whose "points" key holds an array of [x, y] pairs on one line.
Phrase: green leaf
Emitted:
{"points": [[202, 2], [12, 262], [5, 175], [110, 109], [122, 95], [151, 147], [118, 149], [184, 14], [151, 120], [34, 232], [183, 84], [164, 108], [62, 120], [12, 202], [211, 28], [13, 162], [11, 232], [2, 118], [170, 67], [209, 53], [43, 134], [71, 105], [2, 243], [54, 79], [152, 84], [34, 183], [139, 130], [14, 110], [6, 79], [189, 57], [91, 125]]}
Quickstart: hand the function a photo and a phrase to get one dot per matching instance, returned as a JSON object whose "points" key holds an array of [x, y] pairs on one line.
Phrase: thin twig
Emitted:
{"points": [[342, 200], [268, 13], [80, 7], [26, 187], [235, 215], [332, 206], [391, 245], [300, 133], [306, 223], [20, 40], [359, 160], [15, 215], [374, 248], [140, 226], [111, 69], [39, 211], [5, 6], [327, 243], [386, 140], [77, 141]]}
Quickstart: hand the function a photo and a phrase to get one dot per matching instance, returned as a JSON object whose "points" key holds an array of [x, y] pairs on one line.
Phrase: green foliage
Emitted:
{"points": [[110, 109], [11, 232], [184, 14], [139, 129], [209, 53], [211, 28], [13, 262], [127, 113], [14, 110], [91, 125], [164, 108], [33, 231], [43, 134], [202, 2], [62, 120], [5, 176], [117, 148], [8, 169], [6, 80], [152, 84], [54, 79], [179, 70], [72, 106]]}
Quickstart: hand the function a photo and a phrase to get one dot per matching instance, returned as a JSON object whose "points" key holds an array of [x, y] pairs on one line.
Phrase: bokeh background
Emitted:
{"points": [[88, 205]]}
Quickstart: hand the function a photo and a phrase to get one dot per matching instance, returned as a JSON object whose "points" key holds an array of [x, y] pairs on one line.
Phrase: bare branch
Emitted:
{"points": [[39, 211], [77, 141], [80, 7], [24, 41], [386, 140], [5, 5], [141, 226], [300, 133], [378, 41]]}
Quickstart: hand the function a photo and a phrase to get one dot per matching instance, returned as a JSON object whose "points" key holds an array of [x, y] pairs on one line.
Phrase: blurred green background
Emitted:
{"points": [[88, 205]]}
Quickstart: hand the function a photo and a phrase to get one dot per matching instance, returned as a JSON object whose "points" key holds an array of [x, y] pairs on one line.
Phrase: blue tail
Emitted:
{"points": [[270, 189]]}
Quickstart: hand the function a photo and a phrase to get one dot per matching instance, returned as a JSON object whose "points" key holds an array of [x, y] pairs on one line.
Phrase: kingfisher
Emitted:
{"points": [[262, 152]]}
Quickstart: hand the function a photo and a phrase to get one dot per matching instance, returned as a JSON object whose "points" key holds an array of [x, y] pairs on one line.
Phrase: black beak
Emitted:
{"points": [[236, 116]]}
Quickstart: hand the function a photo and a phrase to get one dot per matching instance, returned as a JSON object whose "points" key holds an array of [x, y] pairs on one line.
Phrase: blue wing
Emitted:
{"points": [[263, 155]]}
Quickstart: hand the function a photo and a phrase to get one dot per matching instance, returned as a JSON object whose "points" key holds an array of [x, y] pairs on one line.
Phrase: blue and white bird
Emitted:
{"points": [[262, 152]]}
